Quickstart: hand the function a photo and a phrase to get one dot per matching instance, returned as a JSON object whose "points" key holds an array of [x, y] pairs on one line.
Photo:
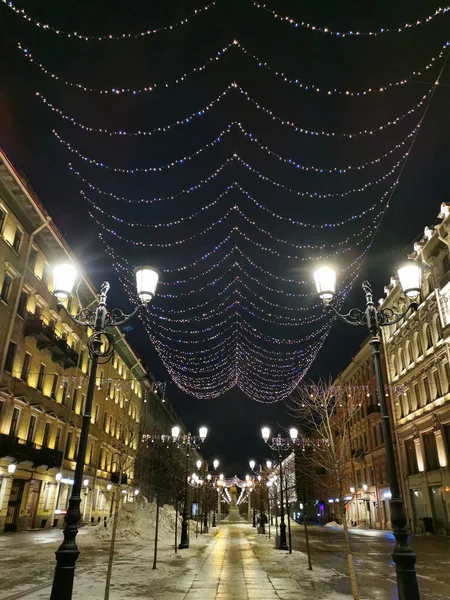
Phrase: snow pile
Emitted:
{"points": [[333, 524], [137, 520]]}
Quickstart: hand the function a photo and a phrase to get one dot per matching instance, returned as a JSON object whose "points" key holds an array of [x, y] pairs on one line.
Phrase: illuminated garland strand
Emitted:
{"points": [[317, 195], [122, 36], [248, 135], [170, 165], [336, 170], [200, 113], [116, 90], [314, 88], [239, 212], [216, 57], [341, 34], [188, 190]]}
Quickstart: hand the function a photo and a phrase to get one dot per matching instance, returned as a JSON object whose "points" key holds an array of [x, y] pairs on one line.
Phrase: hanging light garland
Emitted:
{"points": [[260, 63], [342, 34], [206, 109], [110, 36]]}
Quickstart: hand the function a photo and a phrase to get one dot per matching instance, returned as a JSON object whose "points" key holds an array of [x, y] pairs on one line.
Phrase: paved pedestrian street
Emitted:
{"points": [[231, 563]]}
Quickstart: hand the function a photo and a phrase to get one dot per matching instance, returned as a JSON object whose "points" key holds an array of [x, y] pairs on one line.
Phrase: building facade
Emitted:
{"points": [[368, 491], [417, 354], [44, 366]]}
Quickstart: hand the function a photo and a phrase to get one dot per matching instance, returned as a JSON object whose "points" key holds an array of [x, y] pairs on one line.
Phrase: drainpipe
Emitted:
{"points": [[19, 291]]}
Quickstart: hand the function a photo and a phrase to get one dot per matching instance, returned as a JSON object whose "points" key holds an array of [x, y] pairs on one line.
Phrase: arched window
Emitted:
{"points": [[419, 346], [428, 336], [402, 359], [404, 405], [437, 327], [394, 365], [409, 354]]}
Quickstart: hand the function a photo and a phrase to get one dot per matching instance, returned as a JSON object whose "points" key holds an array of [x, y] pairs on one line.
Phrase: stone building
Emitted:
{"points": [[44, 365], [367, 490], [417, 354]]}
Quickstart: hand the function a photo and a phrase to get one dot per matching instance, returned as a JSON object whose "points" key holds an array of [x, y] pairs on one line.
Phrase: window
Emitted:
{"points": [[22, 306], [110, 430], [74, 400], [31, 428], [2, 218], [65, 394], [75, 452], [68, 445], [6, 287], [100, 459], [447, 439], [46, 434], [97, 410], [83, 403], [45, 273], [10, 356], [41, 376], [57, 438], [17, 240], [81, 361], [409, 354], [91, 455], [428, 336], [419, 346], [417, 395], [437, 384], [446, 263], [411, 456], [54, 386], [14, 425], [431, 454], [33, 259], [25, 366], [426, 385], [402, 359], [38, 311], [108, 393]]}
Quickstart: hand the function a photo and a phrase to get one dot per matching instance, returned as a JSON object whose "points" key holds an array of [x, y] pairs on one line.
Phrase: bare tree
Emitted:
{"points": [[127, 432], [325, 413]]}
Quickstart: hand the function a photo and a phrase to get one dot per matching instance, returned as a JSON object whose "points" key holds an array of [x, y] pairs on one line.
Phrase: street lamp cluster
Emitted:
{"points": [[373, 318], [280, 444], [101, 348]]}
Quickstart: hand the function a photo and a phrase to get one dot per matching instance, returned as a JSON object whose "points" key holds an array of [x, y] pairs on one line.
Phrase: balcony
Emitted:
{"points": [[48, 339], [373, 410], [20, 450], [115, 478], [358, 453]]}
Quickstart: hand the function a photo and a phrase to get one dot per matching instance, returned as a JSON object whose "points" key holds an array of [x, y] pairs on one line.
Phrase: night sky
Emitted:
{"points": [[26, 126]]}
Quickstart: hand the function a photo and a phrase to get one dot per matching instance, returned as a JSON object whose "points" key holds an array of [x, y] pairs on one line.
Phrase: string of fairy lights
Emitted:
{"points": [[235, 305]]}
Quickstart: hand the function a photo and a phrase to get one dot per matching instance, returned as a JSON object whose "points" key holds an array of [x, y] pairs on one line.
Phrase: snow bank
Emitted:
{"points": [[137, 520], [333, 524]]}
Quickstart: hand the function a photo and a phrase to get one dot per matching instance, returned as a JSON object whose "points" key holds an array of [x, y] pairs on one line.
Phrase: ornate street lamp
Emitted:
{"points": [[215, 465], [373, 319], [279, 444], [101, 347], [187, 441]]}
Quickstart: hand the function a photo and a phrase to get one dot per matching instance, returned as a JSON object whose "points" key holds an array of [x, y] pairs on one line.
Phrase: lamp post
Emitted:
{"points": [[373, 319], [101, 347], [187, 441], [279, 444], [215, 465], [219, 494]]}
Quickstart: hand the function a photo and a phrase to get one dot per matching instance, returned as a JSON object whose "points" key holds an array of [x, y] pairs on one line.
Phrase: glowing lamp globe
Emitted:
{"points": [[325, 279], [221, 477], [175, 432], [293, 432], [252, 464], [199, 464], [265, 432], [12, 468], [108, 487], [58, 476], [64, 276], [269, 464], [203, 432], [216, 463], [410, 276], [247, 477], [146, 282]]}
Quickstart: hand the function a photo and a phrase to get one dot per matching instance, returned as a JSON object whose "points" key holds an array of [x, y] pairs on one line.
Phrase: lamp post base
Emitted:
{"points": [[283, 543], [184, 542]]}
